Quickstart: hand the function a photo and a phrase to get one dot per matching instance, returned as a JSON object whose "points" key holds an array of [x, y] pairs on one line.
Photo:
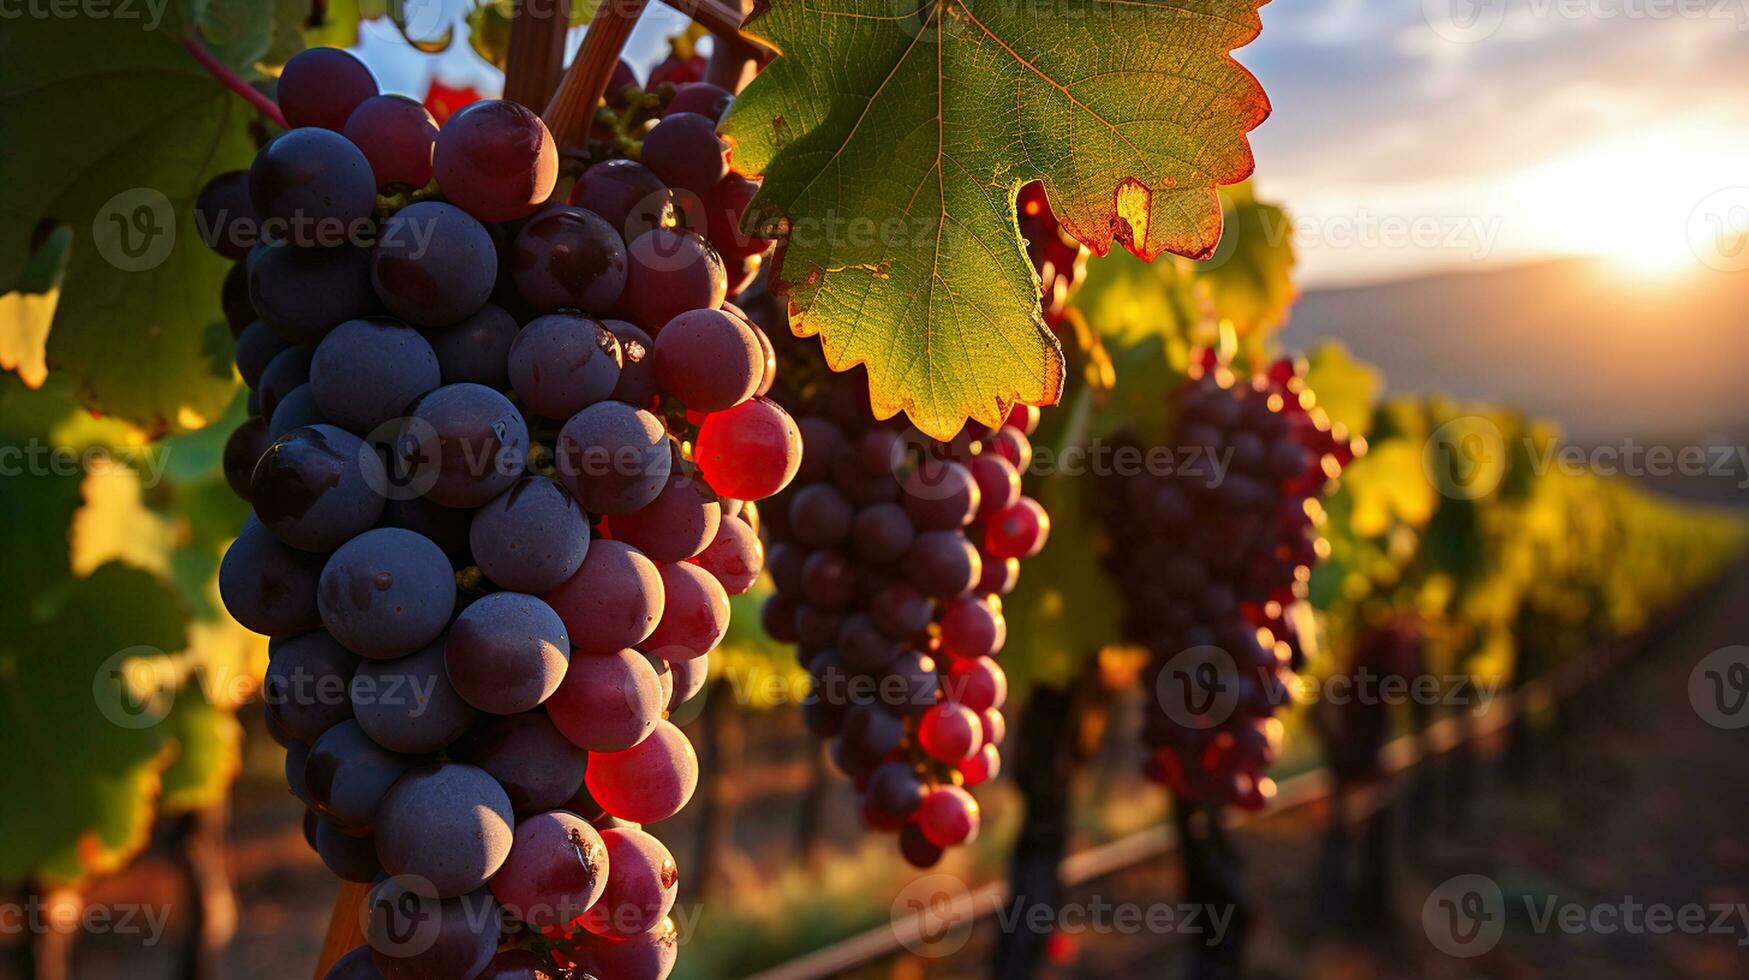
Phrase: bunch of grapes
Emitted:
{"points": [[1231, 511], [502, 454], [1059, 260], [891, 557]]}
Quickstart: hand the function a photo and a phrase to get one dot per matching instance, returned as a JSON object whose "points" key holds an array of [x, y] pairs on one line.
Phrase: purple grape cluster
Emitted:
{"points": [[1234, 519], [502, 455]]}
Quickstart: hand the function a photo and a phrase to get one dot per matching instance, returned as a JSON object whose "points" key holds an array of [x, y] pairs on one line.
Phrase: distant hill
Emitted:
{"points": [[1607, 355]]}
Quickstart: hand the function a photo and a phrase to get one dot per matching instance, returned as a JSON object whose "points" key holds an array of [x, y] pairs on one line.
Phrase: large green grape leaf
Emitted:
{"points": [[109, 126], [892, 140]]}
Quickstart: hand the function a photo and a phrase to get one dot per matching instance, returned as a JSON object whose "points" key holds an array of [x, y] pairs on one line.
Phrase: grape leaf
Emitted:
{"points": [[892, 141], [1250, 277], [137, 326]]}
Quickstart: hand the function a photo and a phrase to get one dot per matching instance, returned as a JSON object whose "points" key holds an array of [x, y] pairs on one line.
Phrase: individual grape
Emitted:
{"points": [[864, 647], [515, 963], [817, 627], [556, 870], [943, 564], [323, 87], [642, 884], [396, 135], [981, 766], [690, 677], [569, 258], [819, 516], [669, 272], [972, 627], [1024, 418], [917, 849], [414, 935], [825, 444], [267, 586], [828, 579], [647, 956], [613, 458], [1000, 576], [407, 704], [649, 782], [726, 207], [734, 557], [447, 527], [1018, 532], [507, 652], [496, 160], [872, 732], [979, 683], [243, 450], [695, 614], [709, 360], [940, 495], [627, 195], [297, 754], [768, 376], [685, 151], [677, 525], [350, 858], [448, 823], [531, 537], [900, 610], [347, 774], [433, 264], [288, 369], [226, 214], [882, 532], [476, 350], [537, 766], [948, 817], [613, 602], [607, 702], [317, 487], [750, 451], [703, 98], [305, 685], [995, 729], [562, 363], [466, 444], [386, 593], [914, 676], [257, 345], [777, 617], [295, 411], [234, 299], [1012, 446], [998, 483], [895, 788], [355, 965], [950, 732], [312, 188], [637, 372], [302, 293]]}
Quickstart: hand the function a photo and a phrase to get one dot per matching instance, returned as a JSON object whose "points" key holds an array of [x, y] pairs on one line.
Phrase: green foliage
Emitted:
{"points": [[892, 149]]}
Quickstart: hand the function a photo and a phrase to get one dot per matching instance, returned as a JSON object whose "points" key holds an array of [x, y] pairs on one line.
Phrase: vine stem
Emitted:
{"points": [[572, 108], [723, 18], [536, 57], [233, 81]]}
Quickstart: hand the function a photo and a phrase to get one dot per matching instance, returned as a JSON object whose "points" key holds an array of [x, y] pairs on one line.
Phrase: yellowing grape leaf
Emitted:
{"points": [[892, 140], [1250, 277]]}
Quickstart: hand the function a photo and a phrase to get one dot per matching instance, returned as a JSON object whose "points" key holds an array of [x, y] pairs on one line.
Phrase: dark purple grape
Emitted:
{"points": [[407, 704], [234, 299], [289, 369], [355, 965], [613, 458], [225, 215], [305, 686], [433, 264], [613, 602], [256, 347], [242, 451], [368, 372], [881, 532], [556, 870], [637, 369], [530, 538], [569, 258], [312, 189], [819, 516], [669, 272], [302, 293], [895, 788], [940, 495], [414, 935], [703, 98], [386, 593], [268, 587], [685, 151], [900, 610], [347, 775], [296, 410], [627, 195], [318, 486], [873, 731], [562, 363], [507, 652], [397, 135], [477, 349], [910, 684], [350, 858], [538, 767], [447, 823], [943, 564], [828, 579], [322, 87], [496, 160], [464, 445], [709, 360], [864, 647]]}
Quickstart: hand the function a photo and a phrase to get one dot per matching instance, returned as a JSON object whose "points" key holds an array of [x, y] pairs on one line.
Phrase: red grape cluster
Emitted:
{"points": [[502, 455], [1234, 515], [1059, 260]]}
